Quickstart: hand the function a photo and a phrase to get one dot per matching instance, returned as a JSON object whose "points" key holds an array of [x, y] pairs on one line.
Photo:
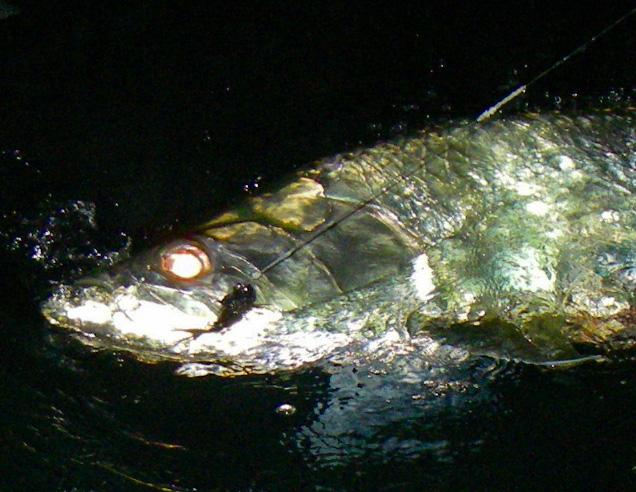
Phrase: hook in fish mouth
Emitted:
{"points": [[463, 222], [235, 334], [165, 319]]}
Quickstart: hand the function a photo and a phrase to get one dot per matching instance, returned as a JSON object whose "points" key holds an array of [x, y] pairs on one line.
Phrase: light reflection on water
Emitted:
{"points": [[86, 420], [93, 420]]}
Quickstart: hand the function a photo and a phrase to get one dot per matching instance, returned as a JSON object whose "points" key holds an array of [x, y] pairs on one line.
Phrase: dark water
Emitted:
{"points": [[121, 125]]}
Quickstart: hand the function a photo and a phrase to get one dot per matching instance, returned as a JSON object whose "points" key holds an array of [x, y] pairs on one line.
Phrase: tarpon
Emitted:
{"points": [[514, 237]]}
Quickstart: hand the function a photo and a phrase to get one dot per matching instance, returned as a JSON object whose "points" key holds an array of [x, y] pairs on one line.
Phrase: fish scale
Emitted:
{"points": [[514, 225]]}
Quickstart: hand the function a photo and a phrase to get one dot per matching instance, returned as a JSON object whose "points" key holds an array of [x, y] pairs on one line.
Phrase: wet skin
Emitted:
{"points": [[523, 227]]}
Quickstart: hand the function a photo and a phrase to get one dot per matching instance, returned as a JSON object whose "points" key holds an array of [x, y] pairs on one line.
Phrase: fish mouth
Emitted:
{"points": [[155, 323], [78, 308], [155, 314]]}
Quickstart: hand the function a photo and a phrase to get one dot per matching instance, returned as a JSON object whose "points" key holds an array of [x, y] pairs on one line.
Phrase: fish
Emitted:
{"points": [[513, 237]]}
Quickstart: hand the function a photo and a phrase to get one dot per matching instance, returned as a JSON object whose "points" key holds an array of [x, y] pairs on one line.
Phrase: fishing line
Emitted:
{"points": [[491, 111], [484, 116], [331, 225]]}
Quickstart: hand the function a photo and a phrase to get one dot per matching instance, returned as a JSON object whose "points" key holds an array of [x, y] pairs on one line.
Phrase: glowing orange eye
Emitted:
{"points": [[185, 262]]}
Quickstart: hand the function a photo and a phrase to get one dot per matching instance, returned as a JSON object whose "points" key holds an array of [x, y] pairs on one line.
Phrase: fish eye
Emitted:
{"points": [[185, 262]]}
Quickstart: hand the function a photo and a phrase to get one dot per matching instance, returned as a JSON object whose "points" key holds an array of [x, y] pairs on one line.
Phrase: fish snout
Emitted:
{"points": [[79, 304]]}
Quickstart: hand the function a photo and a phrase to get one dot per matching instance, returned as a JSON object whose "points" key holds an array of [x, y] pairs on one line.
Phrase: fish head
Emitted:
{"points": [[184, 299]]}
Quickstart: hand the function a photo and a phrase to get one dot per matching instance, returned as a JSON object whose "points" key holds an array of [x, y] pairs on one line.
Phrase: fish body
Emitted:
{"points": [[514, 237]]}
